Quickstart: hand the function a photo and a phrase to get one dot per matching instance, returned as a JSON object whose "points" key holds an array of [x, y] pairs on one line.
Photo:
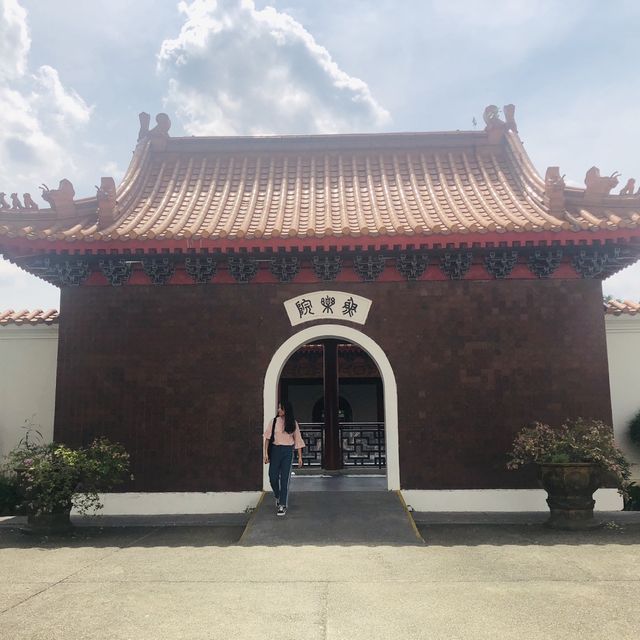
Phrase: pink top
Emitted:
{"points": [[282, 437]]}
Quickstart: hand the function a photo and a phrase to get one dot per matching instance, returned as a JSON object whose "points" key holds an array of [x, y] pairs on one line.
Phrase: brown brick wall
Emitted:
{"points": [[176, 373]]}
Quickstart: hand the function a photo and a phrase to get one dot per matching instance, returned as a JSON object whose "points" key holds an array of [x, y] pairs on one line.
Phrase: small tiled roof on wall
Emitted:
{"points": [[26, 317], [323, 189], [618, 308], [611, 307]]}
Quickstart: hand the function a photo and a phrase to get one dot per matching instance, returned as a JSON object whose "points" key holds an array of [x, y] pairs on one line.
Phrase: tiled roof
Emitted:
{"points": [[612, 307], [418, 184], [28, 317], [617, 307]]}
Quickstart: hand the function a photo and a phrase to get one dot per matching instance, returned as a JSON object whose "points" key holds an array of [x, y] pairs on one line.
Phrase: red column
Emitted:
{"points": [[332, 453]]}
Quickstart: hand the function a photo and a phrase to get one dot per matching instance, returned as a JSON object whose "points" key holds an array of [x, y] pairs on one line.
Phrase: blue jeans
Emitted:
{"points": [[280, 471]]}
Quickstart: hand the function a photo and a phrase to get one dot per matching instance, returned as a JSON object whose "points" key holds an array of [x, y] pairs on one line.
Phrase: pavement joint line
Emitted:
{"points": [[381, 581], [51, 585], [325, 610]]}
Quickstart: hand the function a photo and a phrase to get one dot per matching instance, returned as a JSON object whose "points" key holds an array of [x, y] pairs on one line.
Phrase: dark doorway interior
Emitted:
{"points": [[336, 390]]}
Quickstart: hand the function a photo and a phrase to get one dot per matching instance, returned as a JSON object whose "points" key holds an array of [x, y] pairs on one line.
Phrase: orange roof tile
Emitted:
{"points": [[38, 316], [9, 316], [329, 186], [618, 307]]}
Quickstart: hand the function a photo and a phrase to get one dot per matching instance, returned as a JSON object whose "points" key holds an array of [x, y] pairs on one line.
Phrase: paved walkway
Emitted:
{"points": [[333, 518], [470, 581]]}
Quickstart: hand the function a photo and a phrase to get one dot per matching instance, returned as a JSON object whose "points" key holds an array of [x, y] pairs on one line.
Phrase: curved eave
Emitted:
{"points": [[23, 247]]}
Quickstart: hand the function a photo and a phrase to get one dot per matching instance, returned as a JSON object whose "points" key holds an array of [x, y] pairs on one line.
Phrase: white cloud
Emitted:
{"points": [[625, 285], [65, 106], [38, 114], [20, 290], [14, 39], [235, 70]]}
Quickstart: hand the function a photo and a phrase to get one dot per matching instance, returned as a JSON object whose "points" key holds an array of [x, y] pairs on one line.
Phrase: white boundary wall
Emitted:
{"points": [[28, 357], [177, 503], [623, 349], [497, 500]]}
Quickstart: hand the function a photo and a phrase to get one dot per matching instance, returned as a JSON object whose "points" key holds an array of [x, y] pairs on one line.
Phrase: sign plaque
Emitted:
{"points": [[327, 305]]}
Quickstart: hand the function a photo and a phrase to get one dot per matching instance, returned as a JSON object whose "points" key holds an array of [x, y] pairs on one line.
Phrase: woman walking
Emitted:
{"points": [[283, 434]]}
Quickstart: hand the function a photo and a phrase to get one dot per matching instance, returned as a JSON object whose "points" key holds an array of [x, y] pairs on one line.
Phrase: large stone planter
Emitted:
{"points": [[57, 523], [570, 487]]}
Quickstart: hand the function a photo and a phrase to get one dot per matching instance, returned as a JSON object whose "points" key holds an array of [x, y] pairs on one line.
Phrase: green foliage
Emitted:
{"points": [[634, 429], [577, 440], [9, 495], [53, 477], [632, 499]]}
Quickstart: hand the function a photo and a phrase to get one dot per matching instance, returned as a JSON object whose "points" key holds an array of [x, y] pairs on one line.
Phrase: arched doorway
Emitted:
{"points": [[339, 332]]}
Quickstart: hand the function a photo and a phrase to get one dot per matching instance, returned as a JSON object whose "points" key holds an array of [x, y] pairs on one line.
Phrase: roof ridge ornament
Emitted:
{"points": [[599, 186], [159, 134], [554, 185], [107, 204], [495, 126], [60, 199], [16, 205], [628, 189]]}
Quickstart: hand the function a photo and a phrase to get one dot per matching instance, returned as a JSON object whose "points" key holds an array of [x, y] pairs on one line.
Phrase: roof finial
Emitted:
{"points": [[159, 133], [628, 188], [554, 190], [60, 199], [598, 185], [28, 202], [106, 197], [15, 202], [496, 127]]}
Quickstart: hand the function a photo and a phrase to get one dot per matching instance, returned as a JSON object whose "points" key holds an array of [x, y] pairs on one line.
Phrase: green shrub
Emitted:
{"points": [[53, 477], [9, 495], [634, 429], [632, 501], [576, 440]]}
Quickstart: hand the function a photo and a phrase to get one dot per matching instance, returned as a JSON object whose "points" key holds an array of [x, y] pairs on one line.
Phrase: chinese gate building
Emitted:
{"points": [[418, 297]]}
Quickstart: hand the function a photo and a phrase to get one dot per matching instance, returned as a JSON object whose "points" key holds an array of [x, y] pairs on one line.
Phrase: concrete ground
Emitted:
{"points": [[476, 577], [374, 518]]}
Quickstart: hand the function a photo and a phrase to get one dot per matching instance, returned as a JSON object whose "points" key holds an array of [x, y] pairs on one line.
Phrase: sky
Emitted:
{"points": [[74, 75]]}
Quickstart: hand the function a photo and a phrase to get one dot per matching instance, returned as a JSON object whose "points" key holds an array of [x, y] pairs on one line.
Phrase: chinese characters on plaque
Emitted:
{"points": [[321, 305]]}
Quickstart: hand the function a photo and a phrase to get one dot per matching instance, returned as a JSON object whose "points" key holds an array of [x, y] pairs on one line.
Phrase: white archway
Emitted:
{"points": [[390, 392]]}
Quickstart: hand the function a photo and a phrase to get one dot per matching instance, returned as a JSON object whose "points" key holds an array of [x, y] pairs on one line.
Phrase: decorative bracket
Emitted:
{"points": [[117, 272], [158, 269], [456, 265], [500, 264], [544, 263], [243, 268], [412, 265], [595, 263], [327, 268], [285, 268], [201, 268], [368, 266], [64, 273]]}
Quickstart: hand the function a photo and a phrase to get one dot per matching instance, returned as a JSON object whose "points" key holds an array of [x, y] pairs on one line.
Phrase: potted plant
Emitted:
{"points": [[574, 460], [53, 478]]}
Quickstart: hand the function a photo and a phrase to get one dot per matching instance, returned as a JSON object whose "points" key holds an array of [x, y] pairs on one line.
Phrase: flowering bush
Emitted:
{"points": [[53, 477], [578, 440]]}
